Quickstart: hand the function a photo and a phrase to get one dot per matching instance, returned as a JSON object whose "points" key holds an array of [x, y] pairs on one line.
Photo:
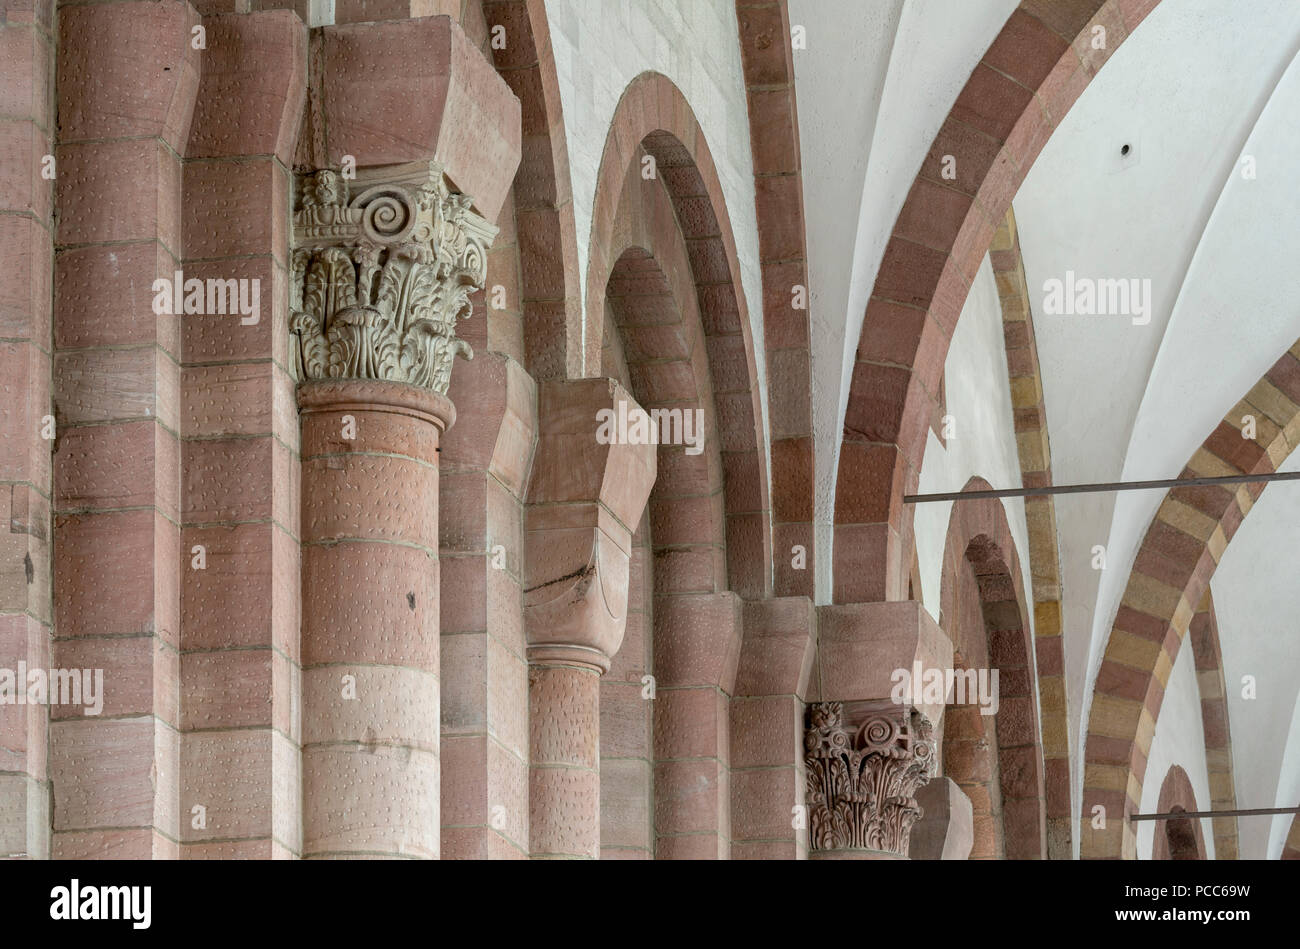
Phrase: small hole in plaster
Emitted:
{"points": [[1125, 150]]}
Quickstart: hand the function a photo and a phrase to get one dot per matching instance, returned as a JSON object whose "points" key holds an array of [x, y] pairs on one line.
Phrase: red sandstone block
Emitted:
{"points": [[680, 522], [112, 563], [690, 723], [327, 433], [27, 87], [564, 812], [507, 695], [689, 796], [25, 281], [463, 662], [766, 732], [763, 803], [382, 705], [747, 564], [227, 689], [863, 568], [464, 781], [764, 51], [392, 619], [932, 215], [336, 500], [775, 138], [697, 640], [139, 677], [102, 773], [227, 400], [22, 149], [220, 337], [375, 800], [785, 327], [138, 79], [563, 716], [231, 775], [973, 154], [119, 191], [107, 467], [779, 203], [625, 719], [685, 571], [104, 296], [463, 113], [260, 62], [777, 651], [230, 209], [625, 806], [228, 602], [991, 102], [227, 479], [1066, 17], [1026, 49]]}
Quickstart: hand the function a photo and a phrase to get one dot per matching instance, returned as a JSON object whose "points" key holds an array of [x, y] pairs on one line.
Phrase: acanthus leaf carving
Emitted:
{"points": [[379, 280], [862, 781]]}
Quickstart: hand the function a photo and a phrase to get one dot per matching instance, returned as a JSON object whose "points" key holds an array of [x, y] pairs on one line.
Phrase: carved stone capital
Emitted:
{"points": [[383, 267], [864, 762]]}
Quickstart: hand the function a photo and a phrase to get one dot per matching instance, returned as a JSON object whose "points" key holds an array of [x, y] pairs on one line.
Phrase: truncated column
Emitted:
{"points": [[585, 499]]}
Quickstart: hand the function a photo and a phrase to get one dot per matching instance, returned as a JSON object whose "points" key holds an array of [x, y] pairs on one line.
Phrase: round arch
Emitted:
{"points": [[1034, 71], [997, 759], [654, 137]]}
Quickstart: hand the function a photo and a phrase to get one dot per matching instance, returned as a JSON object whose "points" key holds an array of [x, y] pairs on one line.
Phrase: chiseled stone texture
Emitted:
{"points": [[370, 761]]}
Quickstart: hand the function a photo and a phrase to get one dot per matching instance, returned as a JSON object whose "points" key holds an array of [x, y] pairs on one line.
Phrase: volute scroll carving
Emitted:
{"points": [[862, 777], [383, 267]]}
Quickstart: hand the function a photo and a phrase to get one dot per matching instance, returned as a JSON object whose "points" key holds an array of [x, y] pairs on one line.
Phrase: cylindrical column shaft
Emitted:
{"points": [[370, 618], [564, 769]]}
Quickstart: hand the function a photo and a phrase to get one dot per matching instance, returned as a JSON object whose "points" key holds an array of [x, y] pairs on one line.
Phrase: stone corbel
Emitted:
{"points": [[585, 500]]}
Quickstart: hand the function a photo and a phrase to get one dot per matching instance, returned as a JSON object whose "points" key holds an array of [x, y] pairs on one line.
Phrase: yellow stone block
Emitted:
{"points": [[1113, 717], [1186, 518], [1151, 596]]}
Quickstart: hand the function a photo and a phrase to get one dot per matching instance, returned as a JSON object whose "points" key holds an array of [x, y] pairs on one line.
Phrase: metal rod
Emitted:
{"points": [[1247, 812], [1099, 488]]}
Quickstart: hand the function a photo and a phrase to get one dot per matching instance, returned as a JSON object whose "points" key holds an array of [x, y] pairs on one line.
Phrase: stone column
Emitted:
{"points": [[586, 498], [383, 268], [370, 624], [866, 754]]}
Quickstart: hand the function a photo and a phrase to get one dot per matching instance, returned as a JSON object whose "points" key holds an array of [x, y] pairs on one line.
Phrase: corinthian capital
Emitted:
{"points": [[383, 267], [865, 762]]}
